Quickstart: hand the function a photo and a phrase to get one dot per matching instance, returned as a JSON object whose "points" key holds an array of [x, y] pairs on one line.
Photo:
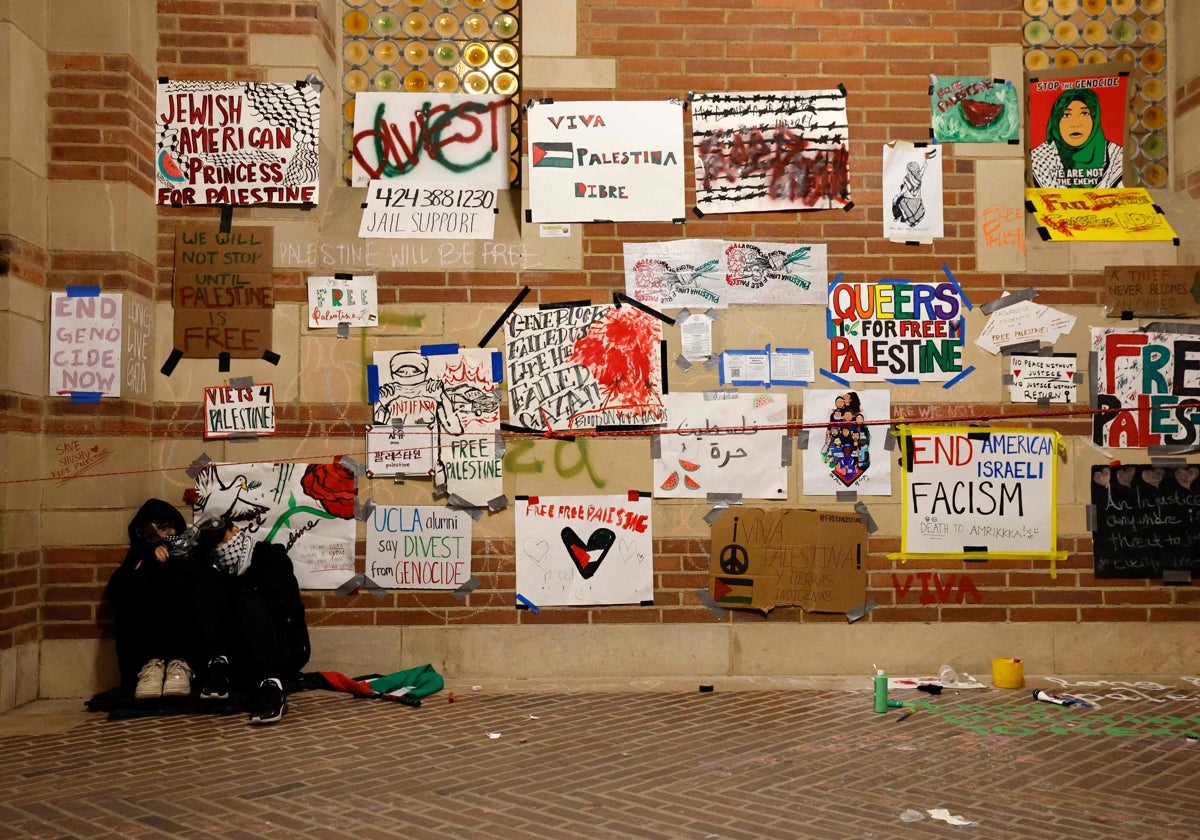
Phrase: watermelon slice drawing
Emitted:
{"points": [[169, 169]]}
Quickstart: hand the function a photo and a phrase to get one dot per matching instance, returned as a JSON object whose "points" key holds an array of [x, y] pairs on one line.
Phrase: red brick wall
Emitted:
{"points": [[882, 51]]}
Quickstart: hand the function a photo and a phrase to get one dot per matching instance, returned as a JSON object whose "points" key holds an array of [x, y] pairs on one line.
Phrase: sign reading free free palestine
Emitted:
{"points": [[894, 330]]}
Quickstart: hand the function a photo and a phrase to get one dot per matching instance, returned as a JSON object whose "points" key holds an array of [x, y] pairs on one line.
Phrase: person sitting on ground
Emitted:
{"points": [[151, 594], [251, 619]]}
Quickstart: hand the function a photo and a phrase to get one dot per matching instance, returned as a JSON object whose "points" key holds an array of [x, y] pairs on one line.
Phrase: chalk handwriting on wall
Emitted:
{"points": [[397, 254], [955, 589], [1004, 227], [139, 319], [74, 460], [432, 137]]}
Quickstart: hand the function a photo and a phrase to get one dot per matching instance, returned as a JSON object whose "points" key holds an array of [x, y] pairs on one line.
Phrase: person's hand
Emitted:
{"points": [[160, 553]]}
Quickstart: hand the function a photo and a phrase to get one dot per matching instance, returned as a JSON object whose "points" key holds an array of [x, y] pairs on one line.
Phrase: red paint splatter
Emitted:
{"points": [[620, 350]]}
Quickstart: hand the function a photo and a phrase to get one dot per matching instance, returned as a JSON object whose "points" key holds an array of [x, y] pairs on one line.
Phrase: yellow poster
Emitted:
{"points": [[1098, 215]]}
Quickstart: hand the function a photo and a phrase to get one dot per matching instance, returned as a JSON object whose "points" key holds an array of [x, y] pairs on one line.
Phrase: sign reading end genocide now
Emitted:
{"points": [[85, 344], [224, 291]]}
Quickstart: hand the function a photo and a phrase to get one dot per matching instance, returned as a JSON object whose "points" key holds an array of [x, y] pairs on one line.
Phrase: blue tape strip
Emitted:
{"points": [[828, 323], [899, 381], [86, 396], [83, 291], [497, 366], [438, 349], [955, 380], [834, 377], [961, 293], [372, 383], [526, 602]]}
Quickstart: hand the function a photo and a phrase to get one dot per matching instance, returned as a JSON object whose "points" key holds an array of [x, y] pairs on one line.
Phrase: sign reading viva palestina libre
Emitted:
{"points": [[895, 330], [1147, 388]]}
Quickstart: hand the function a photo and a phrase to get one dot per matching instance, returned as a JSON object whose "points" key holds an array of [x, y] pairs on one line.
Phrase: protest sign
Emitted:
{"points": [[418, 547], [85, 344]]}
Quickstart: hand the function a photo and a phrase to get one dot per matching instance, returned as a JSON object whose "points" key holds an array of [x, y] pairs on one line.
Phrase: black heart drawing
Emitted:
{"points": [[586, 563]]}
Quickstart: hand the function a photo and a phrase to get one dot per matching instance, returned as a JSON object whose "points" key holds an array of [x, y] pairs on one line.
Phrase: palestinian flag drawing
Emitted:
{"points": [[727, 590], [553, 155]]}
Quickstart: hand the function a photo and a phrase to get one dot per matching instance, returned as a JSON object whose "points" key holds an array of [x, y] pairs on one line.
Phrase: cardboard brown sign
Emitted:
{"points": [[1158, 290], [224, 291], [762, 559]]}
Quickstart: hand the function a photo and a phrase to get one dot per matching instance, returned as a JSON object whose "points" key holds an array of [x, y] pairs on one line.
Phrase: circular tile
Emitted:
{"points": [[1036, 33], [356, 52], [1066, 8], [1095, 57], [356, 81], [1154, 146], [386, 81], [475, 26], [475, 54], [1124, 7], [505, 55], [1095, 32], [1153, 88], [1066, 58], [445, 25], [505, 83], [445, 82], [505, 27], [356, 23], [416, 53], [415, 24], [1095, 7], [1066, 33], [1036, 60], [1154, 118], [475, 82], [1036, 8], [386, 52], [445, 53], [1153, 61], [386, 23], [1153, 31], [1153, 7], [1124, 31], [416, 82], [1155, 175]]}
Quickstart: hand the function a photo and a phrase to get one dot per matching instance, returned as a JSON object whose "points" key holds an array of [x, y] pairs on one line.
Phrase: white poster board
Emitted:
{"points": [[237, 143], [239, 412], [912, 192], [343, 299], [722, 442], [453, 138], [581, 550], [428, 210], [418, 547], [306, 508], [85, 344], [847, 434], [1035, 379], [677, 274], [593, 161], [776, 272]]}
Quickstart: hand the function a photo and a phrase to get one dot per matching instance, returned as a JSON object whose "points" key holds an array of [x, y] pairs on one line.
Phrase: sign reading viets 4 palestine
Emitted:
{"points": [[605, 161], [236, 143]]}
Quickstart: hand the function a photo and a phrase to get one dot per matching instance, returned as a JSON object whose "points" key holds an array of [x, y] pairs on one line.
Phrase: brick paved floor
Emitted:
{"points": [[661, 764]]}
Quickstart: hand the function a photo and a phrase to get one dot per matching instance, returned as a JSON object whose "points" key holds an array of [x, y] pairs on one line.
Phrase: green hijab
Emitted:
{"points": [[1093, 153]]}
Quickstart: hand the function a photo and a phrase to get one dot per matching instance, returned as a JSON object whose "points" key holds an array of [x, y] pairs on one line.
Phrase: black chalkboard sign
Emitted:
{"points": [[1147, 520]]}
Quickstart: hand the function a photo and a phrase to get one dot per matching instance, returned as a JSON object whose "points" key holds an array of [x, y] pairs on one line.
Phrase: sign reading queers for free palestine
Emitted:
{"points": [[978, 493]]}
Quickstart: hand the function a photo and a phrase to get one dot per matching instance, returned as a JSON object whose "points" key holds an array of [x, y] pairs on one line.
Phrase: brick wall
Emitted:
{"points": [[882, 51]]}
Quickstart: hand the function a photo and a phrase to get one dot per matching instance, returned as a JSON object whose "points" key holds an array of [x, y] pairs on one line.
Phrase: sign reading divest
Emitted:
{"points": [[85, 344], [977, 493], [224, 291], [763, 559], [418, 547], [237, 412]]}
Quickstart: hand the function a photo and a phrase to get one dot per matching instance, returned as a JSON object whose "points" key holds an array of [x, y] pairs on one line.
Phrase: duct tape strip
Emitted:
{"points": [[785, 454], [498, 504], [524, 603], [1092, 358], [1043, 402], [720, 394], [352, 465], [1171, 456], [373, 587], [86, 397], [241, 437], [682, 363], [712, 361], [1008, 300], [714, 514], [864, 514], [655, 447], [976, 553], [1077, 377], [241, 382], [1006, 379], [1177, 577], [459, 503], [223, 361], [504, 316], [889, 442], [846, 495], [466, 589], [350, 586], [172, 360], [802, 439], [725, 499], [342, 275], [1089, 512], [439, 490], [499, 444], [859, 612], [1172, 327], [202, 461], [1024, 348], [707, 600], [83, 291], [620, 298], [226, 219], [398, 478], [314, 81], [363, 510], [271, 357], [343, 329]]}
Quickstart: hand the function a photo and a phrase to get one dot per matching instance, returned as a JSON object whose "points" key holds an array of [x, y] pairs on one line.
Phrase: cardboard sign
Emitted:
{"points": [[1169, 291], [238, 412], [762, 559], [418, 547], [224, 291], [85, 344]]}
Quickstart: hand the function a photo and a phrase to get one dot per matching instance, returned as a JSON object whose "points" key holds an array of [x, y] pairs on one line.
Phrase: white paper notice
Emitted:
{"points": [[695, 335]]}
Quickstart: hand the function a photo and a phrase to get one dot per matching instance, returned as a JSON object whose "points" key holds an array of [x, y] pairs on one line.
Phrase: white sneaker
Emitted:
{"points": [[178, 681], [150, 681]]}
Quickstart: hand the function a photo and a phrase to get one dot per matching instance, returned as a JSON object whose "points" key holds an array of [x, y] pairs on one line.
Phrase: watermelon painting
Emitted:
{"points": [[169, 169]]}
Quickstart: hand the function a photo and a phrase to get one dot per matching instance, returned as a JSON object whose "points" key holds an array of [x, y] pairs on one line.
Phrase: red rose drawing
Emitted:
{"points": [[334, 486]]}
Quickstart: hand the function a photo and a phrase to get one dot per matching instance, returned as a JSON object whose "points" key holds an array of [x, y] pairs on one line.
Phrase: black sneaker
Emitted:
{"points": [[216, 683], [270, 703]]}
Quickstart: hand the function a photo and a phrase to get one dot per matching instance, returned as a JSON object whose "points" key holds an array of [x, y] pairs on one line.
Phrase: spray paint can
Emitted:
{"points": [[881, 692]]}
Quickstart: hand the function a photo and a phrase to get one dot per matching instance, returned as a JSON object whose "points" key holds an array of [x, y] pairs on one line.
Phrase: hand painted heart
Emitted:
{"points": [[588, 556]]}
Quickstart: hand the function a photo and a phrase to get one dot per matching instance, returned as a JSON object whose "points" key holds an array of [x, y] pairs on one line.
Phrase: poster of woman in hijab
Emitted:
{"points": [[1077, 127]]}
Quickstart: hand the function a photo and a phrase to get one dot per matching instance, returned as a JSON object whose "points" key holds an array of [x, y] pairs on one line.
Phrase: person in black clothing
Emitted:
{"points": [[251, 619], [151, 593]]}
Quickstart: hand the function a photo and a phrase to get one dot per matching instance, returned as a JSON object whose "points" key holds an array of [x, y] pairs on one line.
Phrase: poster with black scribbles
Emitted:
{"points": [[1147, 520]]}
